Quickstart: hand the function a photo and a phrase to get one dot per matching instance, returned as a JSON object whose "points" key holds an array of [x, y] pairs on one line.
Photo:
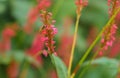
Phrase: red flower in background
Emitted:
{"points": [[5, 45], [37, 47], [34, 14], [13, 70], [38, 43], [65, 48], [115, 49], [52, 74], [43, 4], [7, 34]]}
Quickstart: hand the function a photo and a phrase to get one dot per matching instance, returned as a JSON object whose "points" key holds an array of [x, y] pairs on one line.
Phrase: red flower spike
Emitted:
{"points": [[108, 36], [48, 30]]}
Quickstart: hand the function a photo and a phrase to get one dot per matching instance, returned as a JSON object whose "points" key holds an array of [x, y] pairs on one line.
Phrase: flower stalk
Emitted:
{"points": [[80, 4], [73, 45]]}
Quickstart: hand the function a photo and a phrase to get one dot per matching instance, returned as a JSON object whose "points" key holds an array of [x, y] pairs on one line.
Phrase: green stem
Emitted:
{"points": [[73, 45], [93, 44]]}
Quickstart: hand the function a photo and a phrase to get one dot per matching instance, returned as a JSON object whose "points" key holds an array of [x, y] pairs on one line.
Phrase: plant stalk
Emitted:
{"points": [[73, 45]]}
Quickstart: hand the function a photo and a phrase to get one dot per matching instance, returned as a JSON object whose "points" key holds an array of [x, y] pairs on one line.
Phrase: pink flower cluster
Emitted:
{"points": [[48, 30], [115, 50], [81, 2], [108, 37], [111, 3]]}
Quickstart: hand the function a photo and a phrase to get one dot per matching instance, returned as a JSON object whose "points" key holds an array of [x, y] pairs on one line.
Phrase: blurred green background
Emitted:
{"points": [[94, 17]]}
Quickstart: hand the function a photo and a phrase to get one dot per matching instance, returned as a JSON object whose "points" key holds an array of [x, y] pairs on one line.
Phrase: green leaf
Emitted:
{"points": [[105, 61], [60, 67], [102, 68], [19, 56]]}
